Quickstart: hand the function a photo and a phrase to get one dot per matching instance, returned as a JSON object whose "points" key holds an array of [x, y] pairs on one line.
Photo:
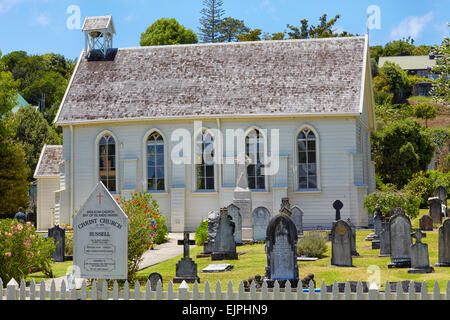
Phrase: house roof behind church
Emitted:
{"points": [[49, 160], [288, 77]]}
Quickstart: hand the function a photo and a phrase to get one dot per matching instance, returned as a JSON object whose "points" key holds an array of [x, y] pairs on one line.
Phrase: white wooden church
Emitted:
{"points": [[307, 103]]}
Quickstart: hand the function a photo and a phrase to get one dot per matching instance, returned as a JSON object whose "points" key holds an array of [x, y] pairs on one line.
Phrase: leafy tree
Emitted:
{"points": [[421, 50], [29, 128], [13, 177], [376, 52], [253, 35], [210, 20], [401, 149], [229, 28], [8, 92], [399, 48], [425, 111], [323, 30], [393, 79], [273, 36], [165, 32], [441, 87]]}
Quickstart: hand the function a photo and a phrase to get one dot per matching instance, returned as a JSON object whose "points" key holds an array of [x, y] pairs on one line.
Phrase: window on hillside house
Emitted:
{"points": [[107, 162], [307, 160], [204, 161], [155, 162], [254, 149]]}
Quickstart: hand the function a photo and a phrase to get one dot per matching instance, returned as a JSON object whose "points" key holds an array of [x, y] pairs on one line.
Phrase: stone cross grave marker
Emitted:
{"points": [[426, 223], [186, 268], [101, 237], [281, 251], [341, 244], [444, 244], [59, 235], [224, 244], [400, 233], [420, 262], [338, 205]]}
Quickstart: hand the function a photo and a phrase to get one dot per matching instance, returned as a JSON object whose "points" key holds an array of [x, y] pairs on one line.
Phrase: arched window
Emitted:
{"points": [[204, 161], [254, 149], [307, 160], [107, 162], [155, 162]]}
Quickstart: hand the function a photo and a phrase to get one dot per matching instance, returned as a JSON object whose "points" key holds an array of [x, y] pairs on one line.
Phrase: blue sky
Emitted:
{"points": [[40, 26]]}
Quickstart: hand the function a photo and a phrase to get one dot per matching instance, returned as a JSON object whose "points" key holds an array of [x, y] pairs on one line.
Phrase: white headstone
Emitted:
{"points": [[101, 237]]}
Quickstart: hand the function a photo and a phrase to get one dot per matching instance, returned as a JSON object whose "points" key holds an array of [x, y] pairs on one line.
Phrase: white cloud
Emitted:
{"points": [[6, 5], [43, 20], [412, 26]]}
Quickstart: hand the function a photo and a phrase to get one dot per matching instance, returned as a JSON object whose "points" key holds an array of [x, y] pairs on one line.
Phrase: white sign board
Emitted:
{"points": [[100, 247]]}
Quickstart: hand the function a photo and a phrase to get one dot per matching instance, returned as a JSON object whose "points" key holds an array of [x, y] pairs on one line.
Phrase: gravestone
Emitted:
{"points": [[100, 245], [297, 217], [281, 251], [59, 235], [385, 240], [426, 223], [420, 262], [213, 220], [220, 267], [441, 193], [444, 244], [233, 211], [400, 234], [242, 197], [377, 226], [261, 218], [186, 268], [224, 244], [154, 277], [285, 204], [341, 244], [337, 205], [435, 209], [353, 228]]}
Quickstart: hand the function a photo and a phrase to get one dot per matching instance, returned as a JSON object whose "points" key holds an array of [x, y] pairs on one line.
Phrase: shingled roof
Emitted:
{"points": [[288, 77], [49, 160], [96, 23]]}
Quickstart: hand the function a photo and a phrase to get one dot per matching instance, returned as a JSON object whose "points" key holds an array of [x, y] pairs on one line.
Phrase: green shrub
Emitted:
{"points": [[422, 185], [146, 227], [313, 244], [390, 198], [201, 233], [22, 251]]}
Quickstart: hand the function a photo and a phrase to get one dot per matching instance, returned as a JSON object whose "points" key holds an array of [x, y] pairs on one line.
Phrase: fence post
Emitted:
{"points": [[148, 290], [230, 293], [387, 291], [11, 290], [195, 291], [312, 291], [207, 291], [347, 291], [373, 292], [335, 292], [218, 291], [22, 292], [137, 290], [32, 290], [53, 290], [42, 290], [436, 291], [412, 291], [424, 291], [183, 291], [323, 291]]}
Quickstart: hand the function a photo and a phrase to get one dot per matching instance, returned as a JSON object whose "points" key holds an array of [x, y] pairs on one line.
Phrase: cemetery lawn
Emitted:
{"points": [[254, 262]]}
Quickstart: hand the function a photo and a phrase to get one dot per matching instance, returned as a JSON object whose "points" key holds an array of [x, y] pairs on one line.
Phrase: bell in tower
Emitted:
{"points": [[98, 35]]}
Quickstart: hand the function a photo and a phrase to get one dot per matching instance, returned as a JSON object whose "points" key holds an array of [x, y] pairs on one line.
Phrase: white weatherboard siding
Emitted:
{"points": [[46, 201], [340, 168]]}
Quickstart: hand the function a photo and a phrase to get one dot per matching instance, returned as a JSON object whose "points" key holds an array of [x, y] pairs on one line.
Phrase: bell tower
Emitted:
{"points": [[98, 34]]}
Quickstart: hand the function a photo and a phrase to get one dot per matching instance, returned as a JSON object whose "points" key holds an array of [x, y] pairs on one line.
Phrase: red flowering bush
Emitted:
{"points": [[22, 251], [146, 227]]}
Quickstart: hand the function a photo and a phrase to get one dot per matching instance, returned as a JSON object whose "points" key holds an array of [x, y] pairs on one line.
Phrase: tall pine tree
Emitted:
{"points": [[211, 17]]}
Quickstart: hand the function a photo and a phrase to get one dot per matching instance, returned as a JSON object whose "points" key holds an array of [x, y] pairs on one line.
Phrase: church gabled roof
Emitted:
{"points": [[287, 77], [49, 160]]}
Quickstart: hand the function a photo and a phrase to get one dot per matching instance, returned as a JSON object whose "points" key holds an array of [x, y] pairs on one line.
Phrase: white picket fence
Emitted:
{"points": [[14, 291]]}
